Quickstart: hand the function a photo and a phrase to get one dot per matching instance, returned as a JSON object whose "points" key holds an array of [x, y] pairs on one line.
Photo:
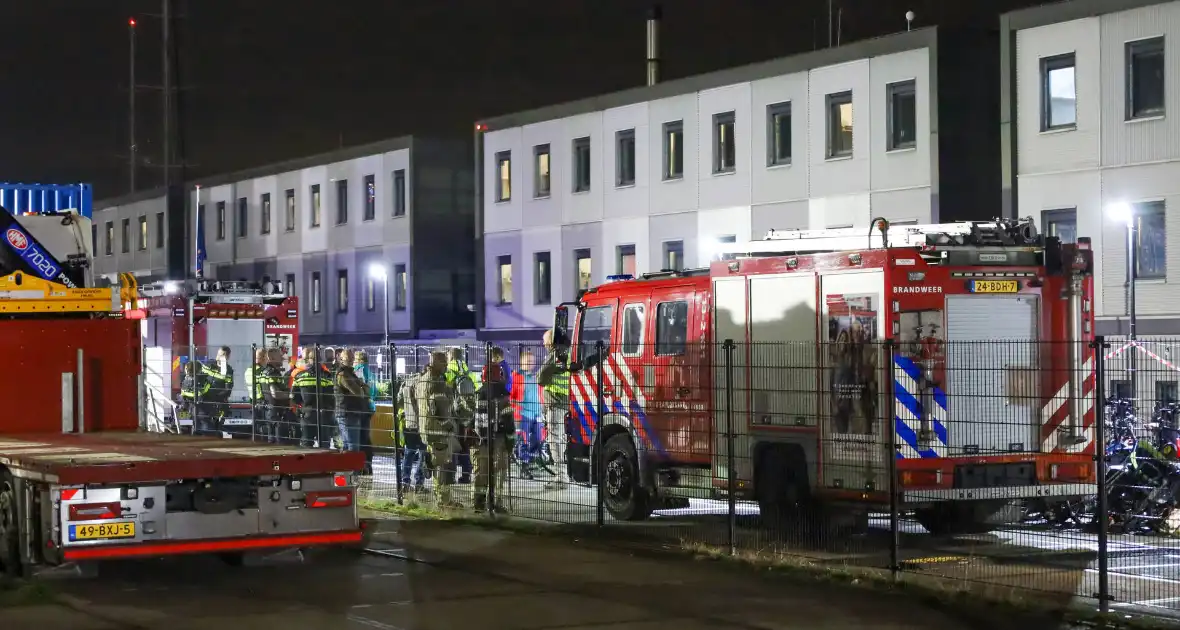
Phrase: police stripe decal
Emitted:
{"points": [[908, 413]]}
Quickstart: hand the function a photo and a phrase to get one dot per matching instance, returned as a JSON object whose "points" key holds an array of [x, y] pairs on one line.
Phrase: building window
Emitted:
{"points": [[315, 205], [504, 176], [625, 260], [242, 217], [504, 264], [315, 292], [221, 220], [778, 134], [583, 268], [370, 293], [1151, 245], [289, 289], [839, 125], [370, 187], [108, 247], [400, 280], [903, 115], [125, 235], [542, 278], [1145, 78], [581, 164], [671, 328], [673, 256], [341, 201], [541, 181], [342, 290], [399, 287], [1167, 392], [633, 330], [290, 205], [1062, 223], [264, 207], [724, 145], [625, 157], [159, 230], [1120, 390], [1059, 94], [399, 192], [674, 150], [143, 234]]}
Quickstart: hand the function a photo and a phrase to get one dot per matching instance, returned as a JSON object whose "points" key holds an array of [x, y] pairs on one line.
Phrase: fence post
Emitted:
{"points": [[490, 436], [894, 490], [319, 430], [399, 491], [730, 459], [1103, 516], [600, 472], [253, 389]]}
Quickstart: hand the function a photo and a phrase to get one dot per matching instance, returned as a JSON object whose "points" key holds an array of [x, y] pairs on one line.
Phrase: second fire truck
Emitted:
{"points": [[982, 395]]}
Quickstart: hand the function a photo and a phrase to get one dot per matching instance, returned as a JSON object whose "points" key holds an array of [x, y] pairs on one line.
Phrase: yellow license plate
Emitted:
{"points": [[994, 286], [102, 531]]}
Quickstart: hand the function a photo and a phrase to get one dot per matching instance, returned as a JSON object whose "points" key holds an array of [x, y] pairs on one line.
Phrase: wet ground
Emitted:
{"points": [[423, 576]]}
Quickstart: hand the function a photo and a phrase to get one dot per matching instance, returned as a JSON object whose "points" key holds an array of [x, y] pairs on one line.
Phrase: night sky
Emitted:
{"points": [[268, 80]]}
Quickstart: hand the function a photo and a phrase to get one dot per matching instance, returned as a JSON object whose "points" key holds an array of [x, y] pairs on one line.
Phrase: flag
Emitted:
{"points": [[199, 252]]}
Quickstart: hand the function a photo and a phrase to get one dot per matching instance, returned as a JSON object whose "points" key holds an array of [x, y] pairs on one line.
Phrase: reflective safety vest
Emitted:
{"points": [[309, 378], [458, 369], [560, 384], [187, 393], [263, 380]]}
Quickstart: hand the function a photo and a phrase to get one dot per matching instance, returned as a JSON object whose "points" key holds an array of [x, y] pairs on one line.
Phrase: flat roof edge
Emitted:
{"points": [[864, 49], [1046, 14]]}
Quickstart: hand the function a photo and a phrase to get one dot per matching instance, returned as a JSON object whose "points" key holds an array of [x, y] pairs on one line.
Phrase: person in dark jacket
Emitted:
{"points": [[194, 393], [315, 392], [220, 376], [495, 429], [352, 401]]}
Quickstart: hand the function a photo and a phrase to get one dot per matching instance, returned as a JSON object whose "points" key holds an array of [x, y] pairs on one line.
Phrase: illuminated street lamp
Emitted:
{"points": [[377, 271]]}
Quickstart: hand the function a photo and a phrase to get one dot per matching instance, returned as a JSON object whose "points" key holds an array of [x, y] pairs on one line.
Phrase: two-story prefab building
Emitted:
{"points": [[322, 226], [1091, 139], [652, 177]]}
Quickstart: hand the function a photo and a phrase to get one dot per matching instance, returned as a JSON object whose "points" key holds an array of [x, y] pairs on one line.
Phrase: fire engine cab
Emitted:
{"points": [[959, 351], [194, 319]]}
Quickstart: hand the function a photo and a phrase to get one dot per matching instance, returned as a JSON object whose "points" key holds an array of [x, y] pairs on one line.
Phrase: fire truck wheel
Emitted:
{"points": [[956, 519], [9, 528], [625, 497]]}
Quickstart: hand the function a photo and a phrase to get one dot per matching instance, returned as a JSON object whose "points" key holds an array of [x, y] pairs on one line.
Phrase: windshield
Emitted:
{"points": [[593, 326]]}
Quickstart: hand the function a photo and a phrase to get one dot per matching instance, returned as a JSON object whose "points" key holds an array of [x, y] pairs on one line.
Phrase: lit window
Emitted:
{"points": [[674, 150], [315, 292], [399, 287], [290, 201], [342, 290], [221, 220], [290, 288], [542, 278], [840, 125], [264, 207], [778, 134], [724, 145], [582, 164], [625, 255], [1062, 223], [582, 269], [674, 255], [541, 180], [1151, 243], [143, 233], [1059, 96], [370, 198], [505, 279], [504, 176], [370, 294], [315, 205]]}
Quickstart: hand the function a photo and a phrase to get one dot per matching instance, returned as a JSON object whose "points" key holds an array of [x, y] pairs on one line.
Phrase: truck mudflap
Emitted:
{"points": [[203, 516]]}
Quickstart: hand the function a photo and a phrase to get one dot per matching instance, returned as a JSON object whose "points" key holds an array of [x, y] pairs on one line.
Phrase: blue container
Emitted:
{"points": [[47, 198]]}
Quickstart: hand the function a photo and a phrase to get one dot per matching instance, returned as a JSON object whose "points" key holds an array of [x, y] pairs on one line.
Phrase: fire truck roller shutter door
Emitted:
{"points": [[991, 362]]}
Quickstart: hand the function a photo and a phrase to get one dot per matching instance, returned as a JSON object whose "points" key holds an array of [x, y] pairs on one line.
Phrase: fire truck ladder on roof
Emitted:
{"points": [[218, 292], [1002, 234]]}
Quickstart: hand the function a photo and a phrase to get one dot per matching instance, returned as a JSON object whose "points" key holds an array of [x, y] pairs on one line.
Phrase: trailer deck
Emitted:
{"points": [[128, 457]]}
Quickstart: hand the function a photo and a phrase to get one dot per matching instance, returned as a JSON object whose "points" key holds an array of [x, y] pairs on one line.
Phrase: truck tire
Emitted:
{"points": [[783, 495], [10, 560], [623, 493], [957, 518]]}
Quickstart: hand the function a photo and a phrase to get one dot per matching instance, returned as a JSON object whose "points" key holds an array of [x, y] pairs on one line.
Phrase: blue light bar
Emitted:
{"points": [[618, 277]]}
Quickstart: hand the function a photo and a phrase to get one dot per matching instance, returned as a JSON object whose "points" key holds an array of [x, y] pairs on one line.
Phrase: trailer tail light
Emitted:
{"points": [[328, 499], [1069, 472], [340, 481], [919, 478], [95, 511]]}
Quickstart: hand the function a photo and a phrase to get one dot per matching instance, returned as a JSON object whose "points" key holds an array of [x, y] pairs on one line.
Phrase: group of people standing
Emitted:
{"points": [[448, 417]]}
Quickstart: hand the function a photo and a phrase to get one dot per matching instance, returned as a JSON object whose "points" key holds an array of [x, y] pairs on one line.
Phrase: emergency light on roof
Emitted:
{"points": [[618, 277]]}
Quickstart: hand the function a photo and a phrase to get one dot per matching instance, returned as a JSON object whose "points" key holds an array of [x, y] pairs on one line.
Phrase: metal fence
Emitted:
{"points": [[1013, 466]]}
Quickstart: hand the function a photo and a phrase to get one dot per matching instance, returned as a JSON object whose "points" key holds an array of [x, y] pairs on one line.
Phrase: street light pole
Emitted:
{"points": [[1133, 363]]}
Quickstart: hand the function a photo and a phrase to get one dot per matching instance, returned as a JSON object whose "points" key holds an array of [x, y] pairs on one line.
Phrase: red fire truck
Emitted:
{"points": [[987, 398], [194, 319]]}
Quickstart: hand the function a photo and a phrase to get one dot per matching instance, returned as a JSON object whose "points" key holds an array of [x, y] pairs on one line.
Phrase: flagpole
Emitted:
{"points": [[197, 271]]}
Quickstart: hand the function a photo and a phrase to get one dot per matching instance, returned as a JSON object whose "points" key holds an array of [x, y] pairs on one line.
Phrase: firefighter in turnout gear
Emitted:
{"points": [[262, 379], [194, 393], [409, 437], [438, 426], [314, 391], [555, 382], [221, 382]]}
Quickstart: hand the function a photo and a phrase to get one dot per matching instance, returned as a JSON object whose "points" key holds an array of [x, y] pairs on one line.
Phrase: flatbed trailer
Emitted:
{"points": [[79, 482]]}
